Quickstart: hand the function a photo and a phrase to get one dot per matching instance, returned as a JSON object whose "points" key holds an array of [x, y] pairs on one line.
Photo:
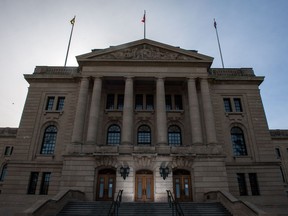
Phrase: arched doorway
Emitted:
{"points": [[144, 186], [182, 185], [106, 183]]}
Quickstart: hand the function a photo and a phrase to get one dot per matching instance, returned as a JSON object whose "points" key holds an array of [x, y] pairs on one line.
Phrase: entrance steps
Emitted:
{"points": [[142, 209]]}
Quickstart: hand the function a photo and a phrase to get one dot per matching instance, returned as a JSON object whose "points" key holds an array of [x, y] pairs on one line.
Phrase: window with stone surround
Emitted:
{"points": [[254, 184], [113, 135], [227, 105], [3, 172], [8, 150], [174, 135], [49, 140], [242, 184], [33, 182], [114, 101], [45, 183], [50, 103], [51, 106], [278, 153], [238, 142], [173, 102], [144, 135], [235, 106], [144, 102]]}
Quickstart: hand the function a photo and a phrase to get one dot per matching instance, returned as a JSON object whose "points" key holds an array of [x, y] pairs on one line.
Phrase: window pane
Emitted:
{"points": [[110, 102], [33, 183], [49, 140], [3, 172], [144, 135], [237, 104], [149, 102], [168, 101], [278, 153], [45, 183], [174, 135], [237, 137], [254, 184], [139, 102], [60, 103], [242, 184], [50, 102], [114, 135], [178, 102], [227, 105], [120, 102]]}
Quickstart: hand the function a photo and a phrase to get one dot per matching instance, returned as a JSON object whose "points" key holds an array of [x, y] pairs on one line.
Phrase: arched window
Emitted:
{"points": [[144, 135], [3, 172], [113, 135], [238, 142], [49, 140], [174, 135]]}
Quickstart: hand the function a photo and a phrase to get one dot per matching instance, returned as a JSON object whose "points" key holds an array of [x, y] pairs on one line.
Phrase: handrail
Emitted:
{"points": [[176, 208], [114, 208]]}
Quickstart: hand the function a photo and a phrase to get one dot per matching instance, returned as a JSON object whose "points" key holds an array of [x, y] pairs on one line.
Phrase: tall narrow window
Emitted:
{"points": [[120, 102], [227, 105], [149, 102], [282, 174], [238, 142], [50, 103], [242, 184], [178, 102], [113, 135], [168, 101], [33, 182], [45, 183], [144, 134], [254, 184], [237, 104], [110, 102], [8, 150], [60, 103], [49, 140], [174, 135], [3, 172], [278, 153], [139, 102]]}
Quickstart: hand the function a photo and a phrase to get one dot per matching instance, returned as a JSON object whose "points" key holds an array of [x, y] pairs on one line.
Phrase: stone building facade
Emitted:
{"points": [[144, 117]]}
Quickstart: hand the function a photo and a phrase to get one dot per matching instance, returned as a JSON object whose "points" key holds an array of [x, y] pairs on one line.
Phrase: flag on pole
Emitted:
{"points": [[215, 24], [144, 17], [72, 21]]}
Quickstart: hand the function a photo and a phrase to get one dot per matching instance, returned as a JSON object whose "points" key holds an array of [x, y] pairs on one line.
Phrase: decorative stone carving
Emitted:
{"points": [[146, 52], [182, 162], [106, 161], [144, 162]]}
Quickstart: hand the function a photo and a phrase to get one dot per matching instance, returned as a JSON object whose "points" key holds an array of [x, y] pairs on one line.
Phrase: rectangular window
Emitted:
{"points": [[149, 102], [168, 101], [178, 102], [237, 104], [282, 174], [50, 102], [45, 183], [120, 102], [278, 153], [139, 102], [227, 105], [254, 184], [60, 103], [33, 182], [242, 184], [110, 102], [8, 150]]}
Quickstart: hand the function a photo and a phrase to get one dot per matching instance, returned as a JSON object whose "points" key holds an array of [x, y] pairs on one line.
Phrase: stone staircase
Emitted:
{"points": [[142, 209]]}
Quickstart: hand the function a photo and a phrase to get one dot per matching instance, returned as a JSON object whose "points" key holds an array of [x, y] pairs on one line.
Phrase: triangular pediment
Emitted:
{"points": [[144, 50]]}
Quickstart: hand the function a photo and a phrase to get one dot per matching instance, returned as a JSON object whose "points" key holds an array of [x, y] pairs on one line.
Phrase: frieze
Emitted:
{"points": [[146, 52]]}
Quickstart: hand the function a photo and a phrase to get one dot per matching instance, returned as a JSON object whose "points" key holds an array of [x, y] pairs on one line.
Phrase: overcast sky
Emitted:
{"points": [[253, 33]]}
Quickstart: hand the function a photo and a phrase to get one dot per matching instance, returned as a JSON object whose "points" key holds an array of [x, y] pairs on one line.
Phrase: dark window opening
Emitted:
{"points": [[238, 141], [49, 140], [45, 183], [174, 135], [144, 134], [110, 102], [3, 173], [139, 102], [178, 102], [33, 182], [254, 184], [149, 102], [227, 105], [50, 103], [242, 184], [237, 104], [114, 135], [60, 103], [168, 101], [120, 102]]}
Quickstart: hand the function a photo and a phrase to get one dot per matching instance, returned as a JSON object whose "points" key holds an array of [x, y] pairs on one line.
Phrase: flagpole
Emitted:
{"points": [[72, 22], [215, 26], [144, 21]]}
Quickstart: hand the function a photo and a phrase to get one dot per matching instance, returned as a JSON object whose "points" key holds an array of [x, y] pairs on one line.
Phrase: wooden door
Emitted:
{"points": [[182, 186], [106, 185], [144, 187]]}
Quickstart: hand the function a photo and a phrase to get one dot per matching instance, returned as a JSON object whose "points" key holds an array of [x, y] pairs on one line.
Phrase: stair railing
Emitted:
{"points": [[114, 208], [174, 204]]}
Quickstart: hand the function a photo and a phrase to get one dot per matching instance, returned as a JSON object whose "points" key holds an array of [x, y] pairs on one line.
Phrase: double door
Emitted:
{"points": [[144, 187], [106, 187], [182, 188]]}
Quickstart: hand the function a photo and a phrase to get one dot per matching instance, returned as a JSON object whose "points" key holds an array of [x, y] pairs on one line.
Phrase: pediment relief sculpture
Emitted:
{"points": [[146, 52]]}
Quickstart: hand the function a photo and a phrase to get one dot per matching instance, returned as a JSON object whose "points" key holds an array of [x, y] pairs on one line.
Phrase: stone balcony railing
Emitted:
{"points": [[232, 72], [56, 70]]}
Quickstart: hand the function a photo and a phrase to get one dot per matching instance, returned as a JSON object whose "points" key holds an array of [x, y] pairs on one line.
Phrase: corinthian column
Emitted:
{"points": [[195, 120], [208, 112], [94, 111], [161, 119], [127, 123], [77, 136]]}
